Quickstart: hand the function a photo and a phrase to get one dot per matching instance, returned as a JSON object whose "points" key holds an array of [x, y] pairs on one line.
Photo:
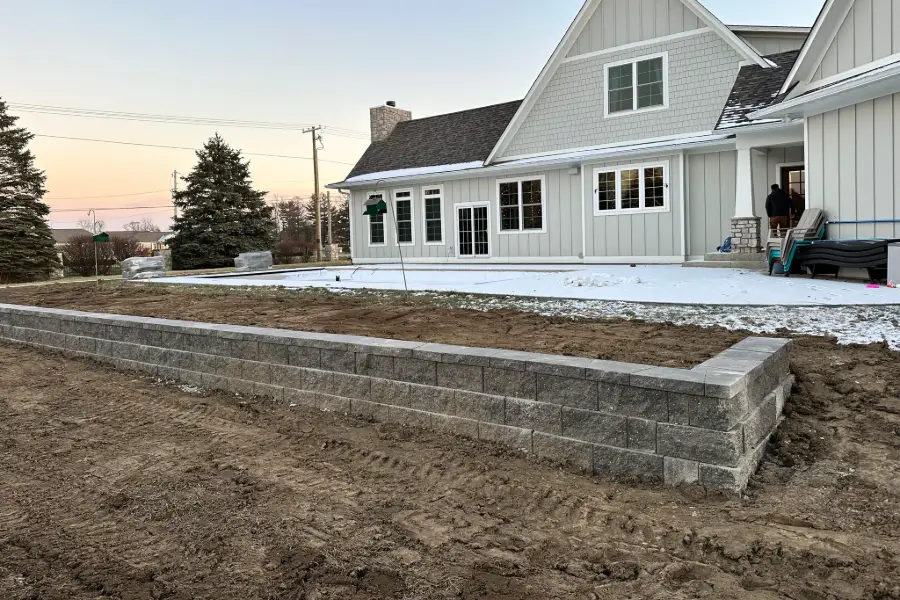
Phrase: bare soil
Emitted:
{"points": [[113, 486]]}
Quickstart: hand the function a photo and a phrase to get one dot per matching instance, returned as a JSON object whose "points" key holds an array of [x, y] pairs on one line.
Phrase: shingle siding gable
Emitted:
{"points": [[570, 112]]}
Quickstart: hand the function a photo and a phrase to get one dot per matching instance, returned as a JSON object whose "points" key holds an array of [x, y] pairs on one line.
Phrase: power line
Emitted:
{"points": [[116, 196], [104, 209], [78, 139], [176, 120]]}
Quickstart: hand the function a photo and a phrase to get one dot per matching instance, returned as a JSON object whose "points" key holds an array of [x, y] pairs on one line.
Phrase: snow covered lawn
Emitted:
{"points": [[665, 284]]}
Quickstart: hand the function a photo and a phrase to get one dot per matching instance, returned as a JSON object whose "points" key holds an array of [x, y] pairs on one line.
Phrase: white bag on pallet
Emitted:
{"points": [[140, 267], [253, 261]]}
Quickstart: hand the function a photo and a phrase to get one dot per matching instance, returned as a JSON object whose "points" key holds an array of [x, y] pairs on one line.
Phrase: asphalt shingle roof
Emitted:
{"points": [[62, 236], [455, 138], [755, 89]]}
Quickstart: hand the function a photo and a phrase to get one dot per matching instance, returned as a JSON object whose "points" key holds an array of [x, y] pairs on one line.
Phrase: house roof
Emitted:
{"points": [[756, 88], [62, 236], [145, 237], [461, 137]]}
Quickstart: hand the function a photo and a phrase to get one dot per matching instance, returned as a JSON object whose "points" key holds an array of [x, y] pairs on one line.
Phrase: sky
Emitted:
{"points": [[323, 62]]}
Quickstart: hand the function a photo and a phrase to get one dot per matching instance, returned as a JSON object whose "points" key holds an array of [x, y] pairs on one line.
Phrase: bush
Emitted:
{"points": [[288, 252], [78, 254]]}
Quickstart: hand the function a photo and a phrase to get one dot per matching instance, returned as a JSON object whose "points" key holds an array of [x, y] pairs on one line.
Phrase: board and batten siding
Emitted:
{"points": [[711, 191], [852, 167], [570, 112], [619, 22], [764, 164], [561, 240], [774, 43], [639, 235], [870, 32]]}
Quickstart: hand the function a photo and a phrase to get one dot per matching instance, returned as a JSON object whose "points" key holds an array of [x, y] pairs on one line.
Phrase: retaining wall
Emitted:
{"points": [[708, 425]]}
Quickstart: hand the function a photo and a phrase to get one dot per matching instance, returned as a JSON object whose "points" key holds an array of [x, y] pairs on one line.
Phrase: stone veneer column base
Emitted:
{"points": [[745, 235]]}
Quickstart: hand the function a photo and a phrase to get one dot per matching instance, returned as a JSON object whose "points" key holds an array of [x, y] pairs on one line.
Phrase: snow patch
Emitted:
{"points": [[600, 280], [416, 171]]}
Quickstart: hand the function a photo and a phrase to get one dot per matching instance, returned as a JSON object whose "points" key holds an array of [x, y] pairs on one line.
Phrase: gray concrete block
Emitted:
{"points": [[617, 463], [526, 414], [311, 358], [457, 426], [371, 411], [207, 363], [641, 435], [411, 418], [670, 380], [352, 386], [414, 370], [704, 445], [167, 339], [733, 479], [241, 387], [230, 367], [339, 361], [512, 437], [386, 391], [704, 412], [766, 345], [386, 347], [244, 349], [276, 354], [213, 382], [633, 401], [302, 398], [432, 352], [374, 365], [256, 371], [783, 393], [607, 371], [760, 424], [460, 377], [335, 404], [431, 399], [273, 392], [206, 344], [721, 383], [477, 407], [157, 356], [512, 360], [180, 360], [566, 391], [477, 357], [318, 381], [515, 384], [594, 427], [152, 370], [289, 377], [681, 472], [574, 453], [560, 366]]}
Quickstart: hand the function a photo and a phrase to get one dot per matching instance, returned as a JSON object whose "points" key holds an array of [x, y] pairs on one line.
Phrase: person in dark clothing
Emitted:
{"points": [[778, 208]]}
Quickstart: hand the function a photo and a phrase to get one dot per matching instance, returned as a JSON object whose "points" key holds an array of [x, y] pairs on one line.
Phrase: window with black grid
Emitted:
{"points": [[434, 229], [403, 204]]}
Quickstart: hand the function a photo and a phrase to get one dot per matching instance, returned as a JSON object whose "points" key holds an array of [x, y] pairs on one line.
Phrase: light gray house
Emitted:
{"points": [[651, 135]]}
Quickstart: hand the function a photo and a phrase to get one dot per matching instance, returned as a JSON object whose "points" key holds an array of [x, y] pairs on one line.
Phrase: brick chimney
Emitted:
{"points": [[385, 118]]}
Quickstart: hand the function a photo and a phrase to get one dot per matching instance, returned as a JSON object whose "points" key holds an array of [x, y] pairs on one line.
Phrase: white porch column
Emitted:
{"points": [[744, 206], [745, 226]]}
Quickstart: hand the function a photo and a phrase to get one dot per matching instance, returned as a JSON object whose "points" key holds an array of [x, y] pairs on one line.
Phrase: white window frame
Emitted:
{"points": [[412, 215], [425, 216], [544, 215], [634, 83], [369, 196], [617, 169], [473, 206]]}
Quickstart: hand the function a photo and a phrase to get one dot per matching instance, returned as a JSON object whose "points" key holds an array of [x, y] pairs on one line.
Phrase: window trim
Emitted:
{"points": [[412, 215], [634, 84], [617, 169], [544, 215], [425, 216], [369, 222], [473, 206]]}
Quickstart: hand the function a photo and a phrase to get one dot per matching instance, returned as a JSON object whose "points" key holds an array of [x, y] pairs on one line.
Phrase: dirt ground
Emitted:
{"points": [[115, 486]]}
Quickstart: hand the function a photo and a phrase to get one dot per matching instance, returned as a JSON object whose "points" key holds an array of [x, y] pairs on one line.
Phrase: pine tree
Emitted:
{"points": [[27, 248], [220, 214]]}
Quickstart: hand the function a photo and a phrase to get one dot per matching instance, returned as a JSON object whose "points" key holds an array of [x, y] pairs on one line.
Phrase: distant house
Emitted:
{"points": [[62, 236], [651, 135], [149, 240]]}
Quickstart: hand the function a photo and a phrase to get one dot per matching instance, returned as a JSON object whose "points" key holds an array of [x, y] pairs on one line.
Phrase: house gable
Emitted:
{"points": [[711, 41], [620, 22], [869, 32]]}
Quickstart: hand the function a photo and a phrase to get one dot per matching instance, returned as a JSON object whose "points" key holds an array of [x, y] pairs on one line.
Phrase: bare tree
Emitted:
{"points": [[145, 224], [94, 227]]}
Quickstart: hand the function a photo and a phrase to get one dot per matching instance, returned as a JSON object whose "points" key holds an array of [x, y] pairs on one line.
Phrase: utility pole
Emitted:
{"points": [[175, 191], [316, 138], [328, 208]]}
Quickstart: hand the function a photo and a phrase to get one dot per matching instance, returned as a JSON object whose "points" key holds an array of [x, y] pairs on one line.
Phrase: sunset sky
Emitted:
{"points": [[288, 61]]}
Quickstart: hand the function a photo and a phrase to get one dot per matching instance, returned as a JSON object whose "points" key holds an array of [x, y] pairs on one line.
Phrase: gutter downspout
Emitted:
{"points": [[352, 220], [581, 170], [684, 204]]}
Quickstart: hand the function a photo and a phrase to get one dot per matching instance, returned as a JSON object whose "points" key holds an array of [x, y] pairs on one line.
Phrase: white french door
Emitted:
{"points": [[473, 231]]}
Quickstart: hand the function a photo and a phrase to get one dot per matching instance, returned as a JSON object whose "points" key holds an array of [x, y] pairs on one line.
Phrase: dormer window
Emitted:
{"points": [[637, 85]]}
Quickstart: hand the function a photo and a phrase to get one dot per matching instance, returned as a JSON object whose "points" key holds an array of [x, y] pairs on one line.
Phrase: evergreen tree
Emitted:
{"points": [[220, 214], [27, 248]]}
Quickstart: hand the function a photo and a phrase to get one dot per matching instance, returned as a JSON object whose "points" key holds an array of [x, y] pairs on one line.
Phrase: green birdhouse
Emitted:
{"points": [[375, 206], [101, 238]]}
